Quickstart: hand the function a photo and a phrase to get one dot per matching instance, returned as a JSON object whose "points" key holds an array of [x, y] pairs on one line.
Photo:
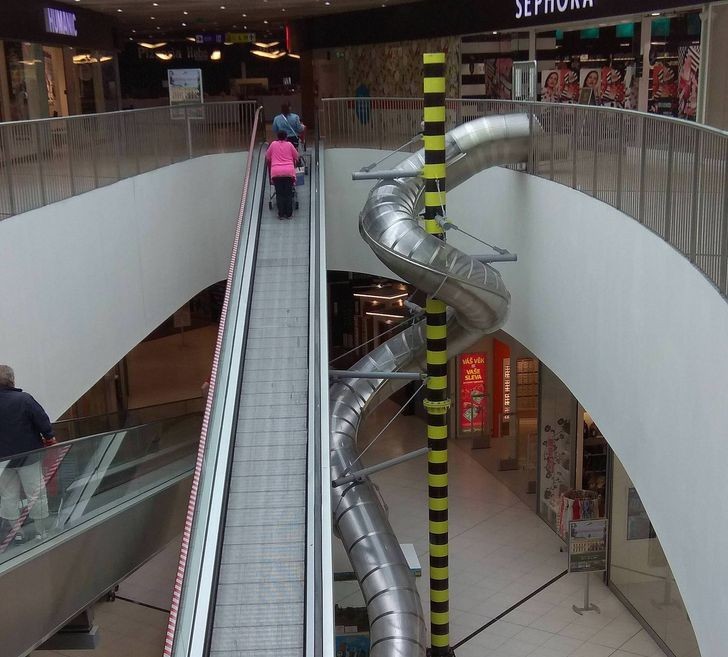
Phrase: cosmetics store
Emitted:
{"points": [[649, 61], [55, 60], [526, 427]]}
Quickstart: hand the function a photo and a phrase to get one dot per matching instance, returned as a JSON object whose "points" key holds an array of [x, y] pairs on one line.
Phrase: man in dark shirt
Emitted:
{"points": [[24, 427]]}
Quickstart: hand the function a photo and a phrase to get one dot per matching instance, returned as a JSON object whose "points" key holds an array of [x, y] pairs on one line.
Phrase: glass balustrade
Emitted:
{"points": [[50, 491]]}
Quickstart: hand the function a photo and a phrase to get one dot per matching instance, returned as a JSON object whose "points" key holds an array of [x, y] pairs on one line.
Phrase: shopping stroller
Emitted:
{"points": [[300, 170]]}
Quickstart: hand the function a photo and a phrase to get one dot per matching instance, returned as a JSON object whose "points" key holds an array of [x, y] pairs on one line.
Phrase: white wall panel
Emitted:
{"points": [[86, 279]]}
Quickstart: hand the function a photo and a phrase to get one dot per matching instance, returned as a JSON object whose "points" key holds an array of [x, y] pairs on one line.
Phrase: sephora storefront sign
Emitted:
{"points": [[529, 8]]}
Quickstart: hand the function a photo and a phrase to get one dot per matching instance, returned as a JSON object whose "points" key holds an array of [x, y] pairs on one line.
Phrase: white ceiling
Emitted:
{"points": [[168, 16]]}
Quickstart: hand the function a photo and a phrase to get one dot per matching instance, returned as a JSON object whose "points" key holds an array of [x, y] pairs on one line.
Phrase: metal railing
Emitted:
{"points": [[49, 160], [669, 175]]}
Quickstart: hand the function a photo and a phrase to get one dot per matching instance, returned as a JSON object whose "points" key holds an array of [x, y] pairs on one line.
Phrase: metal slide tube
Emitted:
{"points": [[388, 223]]}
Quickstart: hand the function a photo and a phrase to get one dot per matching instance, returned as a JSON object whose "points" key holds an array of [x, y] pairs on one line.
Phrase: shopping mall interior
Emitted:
{"points": [[463, 402]]}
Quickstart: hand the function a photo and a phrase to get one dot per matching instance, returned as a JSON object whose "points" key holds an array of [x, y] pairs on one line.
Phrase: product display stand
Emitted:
{"points": [[588, 606]]}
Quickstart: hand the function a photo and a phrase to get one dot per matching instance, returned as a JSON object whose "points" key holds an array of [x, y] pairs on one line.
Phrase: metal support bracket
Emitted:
{"points": [[385, 174], [354, 374], [496, 257], [437, 407], [360, 474]]}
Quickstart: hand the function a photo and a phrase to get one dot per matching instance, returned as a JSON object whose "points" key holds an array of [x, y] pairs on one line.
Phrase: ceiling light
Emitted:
{"points": [[155, 4], [294, 55], [192, 39], [327, 3], [260, 44], [283, 8], [268, 55], [164, 56], [184, 24], [120, 10], [245, 15], [265, 22], [152, 46], [216, 55], [185, 12], [153, 18], [222, 6]]}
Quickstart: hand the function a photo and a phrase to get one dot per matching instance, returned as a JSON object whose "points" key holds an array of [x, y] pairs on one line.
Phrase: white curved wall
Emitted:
{"points": [[86, 279], [636, 332]]}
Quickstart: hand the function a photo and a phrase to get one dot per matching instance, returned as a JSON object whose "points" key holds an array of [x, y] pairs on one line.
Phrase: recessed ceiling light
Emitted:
{"points": [[266, 22], [283, 8], [120, 10], [222, 6], [184, 24], [655, 13], [159, 28], [185, 12], [245, 15], [155, 4], [153, 18]]}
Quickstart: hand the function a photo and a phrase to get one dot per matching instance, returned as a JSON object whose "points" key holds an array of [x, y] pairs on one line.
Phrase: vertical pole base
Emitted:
{"points": [[581, 610], [441, 652]]}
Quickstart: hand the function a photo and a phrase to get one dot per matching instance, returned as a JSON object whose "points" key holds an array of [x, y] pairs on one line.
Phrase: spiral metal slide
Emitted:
{"points": [[479, 302]]}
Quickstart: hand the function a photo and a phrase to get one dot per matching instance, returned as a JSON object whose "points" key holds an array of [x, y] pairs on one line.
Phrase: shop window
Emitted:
{"points": [[639, 571]]}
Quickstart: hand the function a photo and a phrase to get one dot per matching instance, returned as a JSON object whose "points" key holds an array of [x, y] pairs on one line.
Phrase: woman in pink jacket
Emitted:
{"points": [[281, 157]]}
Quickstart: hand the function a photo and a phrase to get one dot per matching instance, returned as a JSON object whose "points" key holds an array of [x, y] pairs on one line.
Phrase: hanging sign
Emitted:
{"points": [[185, 88], [60, 21], [588, 546], [239, 37], [473, 378]]}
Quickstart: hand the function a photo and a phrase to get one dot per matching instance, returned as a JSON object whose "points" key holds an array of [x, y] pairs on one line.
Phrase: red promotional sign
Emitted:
{"points": [[472, 407]]}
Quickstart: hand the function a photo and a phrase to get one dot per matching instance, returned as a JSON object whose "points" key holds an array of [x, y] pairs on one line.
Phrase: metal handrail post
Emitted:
{"points": [[621, 149], [695, 201], [668, 183]]}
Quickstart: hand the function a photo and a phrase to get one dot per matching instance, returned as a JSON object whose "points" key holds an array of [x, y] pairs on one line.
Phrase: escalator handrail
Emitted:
{"points": [[190, 612], [319, 617]]}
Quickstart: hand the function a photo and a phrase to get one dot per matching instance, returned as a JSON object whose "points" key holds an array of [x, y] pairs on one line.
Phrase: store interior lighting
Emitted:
{"points": [[216, 55], [164, 56], [152, 46], [383, 297], [386, 315]]}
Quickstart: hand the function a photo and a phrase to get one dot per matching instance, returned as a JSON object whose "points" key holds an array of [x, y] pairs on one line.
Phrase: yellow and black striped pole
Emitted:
{"points": [[437, 402]]}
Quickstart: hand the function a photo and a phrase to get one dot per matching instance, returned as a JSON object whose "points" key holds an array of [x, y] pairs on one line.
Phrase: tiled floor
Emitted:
{"points": [[500, 552]]}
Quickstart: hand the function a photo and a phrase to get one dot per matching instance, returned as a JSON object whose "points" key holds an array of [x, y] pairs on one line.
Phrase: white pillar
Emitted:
{"points": [[645, 46]]}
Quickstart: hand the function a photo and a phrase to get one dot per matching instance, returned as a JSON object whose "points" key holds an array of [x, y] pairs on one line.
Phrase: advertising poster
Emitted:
{"points": [[550, 86], [616, 86], [591, 80], [588, 546], [687, 92], [639, 526], [568, 83], [185, 88], [471, 406], [663, 94]]}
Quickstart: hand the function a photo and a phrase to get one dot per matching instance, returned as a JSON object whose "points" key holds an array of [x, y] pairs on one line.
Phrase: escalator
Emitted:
{"points": [[255, 574], [90, 512]]}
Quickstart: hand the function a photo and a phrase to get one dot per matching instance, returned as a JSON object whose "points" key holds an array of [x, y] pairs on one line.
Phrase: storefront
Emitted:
{"points": [[55, 60], [648, 62], [526, 427]]}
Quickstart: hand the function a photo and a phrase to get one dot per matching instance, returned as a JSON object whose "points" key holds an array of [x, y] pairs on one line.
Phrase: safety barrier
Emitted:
{"points": [[48, 160], [669, 175]]}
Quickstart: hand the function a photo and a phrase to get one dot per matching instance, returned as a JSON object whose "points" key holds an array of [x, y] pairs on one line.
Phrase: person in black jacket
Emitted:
{"points": [[24, 427]]}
